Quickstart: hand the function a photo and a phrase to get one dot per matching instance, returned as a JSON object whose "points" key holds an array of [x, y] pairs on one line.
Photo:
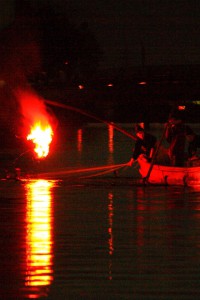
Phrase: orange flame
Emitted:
{"points": [[41, 137], [38, 120]]}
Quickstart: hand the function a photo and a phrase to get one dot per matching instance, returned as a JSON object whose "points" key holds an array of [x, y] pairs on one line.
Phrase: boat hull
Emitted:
{"points": [[169, 175]]}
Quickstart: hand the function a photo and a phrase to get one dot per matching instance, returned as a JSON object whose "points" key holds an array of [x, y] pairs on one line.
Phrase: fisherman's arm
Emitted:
{"points": [[136, 153], [168, 132]]}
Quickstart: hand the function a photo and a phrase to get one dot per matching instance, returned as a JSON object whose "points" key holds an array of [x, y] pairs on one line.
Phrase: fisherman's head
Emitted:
{"points": [[139, 131], [176, 118]]}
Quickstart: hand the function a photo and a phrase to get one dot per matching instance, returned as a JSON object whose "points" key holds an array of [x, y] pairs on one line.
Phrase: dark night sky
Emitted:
{"points": [[169, 30]]}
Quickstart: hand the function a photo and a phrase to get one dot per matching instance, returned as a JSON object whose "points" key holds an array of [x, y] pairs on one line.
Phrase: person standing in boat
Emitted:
{"points": [[145, 144], [175, 135], [193, 145]]}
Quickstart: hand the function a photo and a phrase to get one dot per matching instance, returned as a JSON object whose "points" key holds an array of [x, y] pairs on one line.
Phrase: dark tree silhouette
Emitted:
{"points": [[65, 47], [86, 52], [42, 39]]}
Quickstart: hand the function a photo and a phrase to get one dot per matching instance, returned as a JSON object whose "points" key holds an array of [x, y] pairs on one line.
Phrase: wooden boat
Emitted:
{"points": [[170, 175]]}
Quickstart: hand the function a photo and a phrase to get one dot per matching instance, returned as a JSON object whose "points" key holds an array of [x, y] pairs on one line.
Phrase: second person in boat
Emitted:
{"points": [[176, 132]]}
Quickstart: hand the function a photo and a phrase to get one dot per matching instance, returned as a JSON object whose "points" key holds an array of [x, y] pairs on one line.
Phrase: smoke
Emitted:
{"points": [[33, 109], [20, 62]]}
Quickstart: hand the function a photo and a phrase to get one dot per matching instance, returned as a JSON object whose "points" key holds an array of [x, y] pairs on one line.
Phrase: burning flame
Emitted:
{"points": [[41, 137], [38, 120]]}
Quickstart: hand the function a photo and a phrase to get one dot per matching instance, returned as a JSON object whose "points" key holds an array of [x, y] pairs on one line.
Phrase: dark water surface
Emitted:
{"points": [[65, 239]]}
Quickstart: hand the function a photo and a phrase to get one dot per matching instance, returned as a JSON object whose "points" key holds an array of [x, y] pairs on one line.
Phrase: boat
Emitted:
{"points": [[169, 175]]}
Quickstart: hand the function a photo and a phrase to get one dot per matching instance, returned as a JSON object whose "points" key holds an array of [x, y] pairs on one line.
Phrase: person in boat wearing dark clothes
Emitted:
{"points": [[145, 144], [175, 135], [193, 144]]}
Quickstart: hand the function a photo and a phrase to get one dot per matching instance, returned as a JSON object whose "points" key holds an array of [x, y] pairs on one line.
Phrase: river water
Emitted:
{"points": [[74, 238]]}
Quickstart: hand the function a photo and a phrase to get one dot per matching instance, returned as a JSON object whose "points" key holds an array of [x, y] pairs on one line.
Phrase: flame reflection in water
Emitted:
{"points": [[110, 231], [79, 140], [39, 240], [110, 144]]}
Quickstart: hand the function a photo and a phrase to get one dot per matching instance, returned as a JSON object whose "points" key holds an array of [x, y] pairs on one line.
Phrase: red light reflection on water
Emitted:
{"points": [[110, 232], [140, 220], [39, 269], [110, 144], [79, 139], [110, 219], [110, 138]]}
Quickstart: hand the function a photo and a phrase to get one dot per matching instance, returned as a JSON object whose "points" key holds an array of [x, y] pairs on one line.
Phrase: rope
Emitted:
{"points": [[78, 171], [103, 173]]}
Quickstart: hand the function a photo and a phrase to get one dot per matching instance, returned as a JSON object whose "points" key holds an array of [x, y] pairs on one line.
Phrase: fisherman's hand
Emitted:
{"points": [[168, 125], [130, 163], [149, 159]]}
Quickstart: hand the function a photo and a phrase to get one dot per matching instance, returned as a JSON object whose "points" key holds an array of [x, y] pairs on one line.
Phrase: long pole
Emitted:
{"points": [[145, 179], [80, 111]]}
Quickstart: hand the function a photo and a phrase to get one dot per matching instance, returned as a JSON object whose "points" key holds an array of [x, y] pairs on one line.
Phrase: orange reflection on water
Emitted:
{"points": [[39, 240], [110, 227], [110, 144], [79, 139], [141, 206], [110, 232], [110, 138]]}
